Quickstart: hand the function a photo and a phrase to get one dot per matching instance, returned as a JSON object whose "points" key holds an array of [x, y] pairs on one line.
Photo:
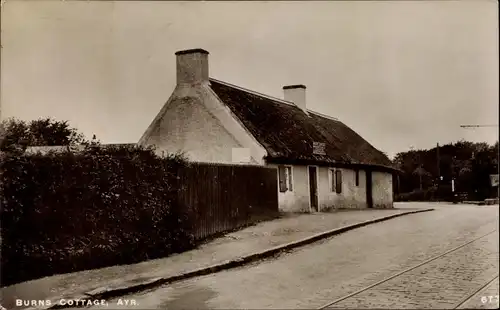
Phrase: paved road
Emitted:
{"points": [[462, 242]]}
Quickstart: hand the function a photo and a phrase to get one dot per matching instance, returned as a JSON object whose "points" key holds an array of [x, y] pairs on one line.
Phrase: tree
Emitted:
{"points": [[469, 164], [17, 135], [421, 172]]}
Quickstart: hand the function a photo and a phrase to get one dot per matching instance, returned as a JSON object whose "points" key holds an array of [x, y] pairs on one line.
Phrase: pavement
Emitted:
{"points": [[442, 259], [255, 242], [490, 201]]}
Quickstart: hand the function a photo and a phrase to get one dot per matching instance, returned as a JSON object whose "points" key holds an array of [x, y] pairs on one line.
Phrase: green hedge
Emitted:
{"points": [[65, 212]]}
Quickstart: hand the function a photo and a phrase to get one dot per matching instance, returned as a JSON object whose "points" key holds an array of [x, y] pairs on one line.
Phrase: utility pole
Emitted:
{"points": [[439, 177], [453, 166], [438, 162], [419, 169], [420, 176]]}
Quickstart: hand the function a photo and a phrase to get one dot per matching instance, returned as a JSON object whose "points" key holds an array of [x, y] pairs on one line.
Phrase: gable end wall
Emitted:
{"points": [[195, 122]]}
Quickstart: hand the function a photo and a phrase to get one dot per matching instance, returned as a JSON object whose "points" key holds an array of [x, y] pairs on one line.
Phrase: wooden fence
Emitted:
{"points": [[226, 197]]}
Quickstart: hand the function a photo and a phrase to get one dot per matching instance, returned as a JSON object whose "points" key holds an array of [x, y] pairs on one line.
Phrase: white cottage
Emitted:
{"points": [[321, 163]]}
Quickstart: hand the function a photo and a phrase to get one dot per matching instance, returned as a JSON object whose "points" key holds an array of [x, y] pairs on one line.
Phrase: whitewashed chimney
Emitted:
{"points": [[297, 95], [192, 66]]}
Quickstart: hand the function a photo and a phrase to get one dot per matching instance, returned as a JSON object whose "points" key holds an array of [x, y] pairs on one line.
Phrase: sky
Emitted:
{"points": [[401, 73]]}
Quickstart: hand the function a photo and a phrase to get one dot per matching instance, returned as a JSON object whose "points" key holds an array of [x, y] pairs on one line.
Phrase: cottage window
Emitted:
{"points": [[338, 181], [356, 176], [289, 178], [285, 178], [332, 180]]}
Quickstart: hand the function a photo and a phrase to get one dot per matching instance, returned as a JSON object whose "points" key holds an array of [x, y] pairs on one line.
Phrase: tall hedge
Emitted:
{"points": [[100, 207]]}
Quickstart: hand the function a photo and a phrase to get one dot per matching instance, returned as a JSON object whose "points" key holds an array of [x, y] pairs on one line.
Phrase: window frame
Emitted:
{"points": [[338, 185], [285, 178], [331, 173], [289, 177]]}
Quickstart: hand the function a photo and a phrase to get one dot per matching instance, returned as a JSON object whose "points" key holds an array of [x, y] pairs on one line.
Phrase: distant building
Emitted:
{"points": [[494, 186], [494, 180]]}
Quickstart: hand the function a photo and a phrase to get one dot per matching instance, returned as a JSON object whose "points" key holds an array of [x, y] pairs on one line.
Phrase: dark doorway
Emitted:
{"points": [[369, 193], [313, 187]]}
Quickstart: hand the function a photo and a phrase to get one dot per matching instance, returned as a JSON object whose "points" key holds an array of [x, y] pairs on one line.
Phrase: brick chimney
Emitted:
{"points": [[297, 95], [192, 66]]}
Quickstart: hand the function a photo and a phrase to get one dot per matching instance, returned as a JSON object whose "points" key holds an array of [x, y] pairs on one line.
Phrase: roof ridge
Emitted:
{"points": [[254, 92], [324, 115], [271, 97]]}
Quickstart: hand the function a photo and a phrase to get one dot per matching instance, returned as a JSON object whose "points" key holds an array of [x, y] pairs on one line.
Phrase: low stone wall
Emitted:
{"points": [[492, 201]]}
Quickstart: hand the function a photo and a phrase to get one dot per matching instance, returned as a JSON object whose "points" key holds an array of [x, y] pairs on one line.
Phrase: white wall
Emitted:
{"points": [[352, 196], [189, 127], [382, 190], [296, 200], [196, 122]]}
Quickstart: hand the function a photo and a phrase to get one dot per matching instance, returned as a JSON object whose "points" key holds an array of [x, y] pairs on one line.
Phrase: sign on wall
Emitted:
{"points": [[241, 155], [319, 148]]}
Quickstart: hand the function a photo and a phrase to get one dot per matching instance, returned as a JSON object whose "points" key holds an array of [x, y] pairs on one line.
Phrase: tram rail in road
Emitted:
{"points": [[424, 263]]}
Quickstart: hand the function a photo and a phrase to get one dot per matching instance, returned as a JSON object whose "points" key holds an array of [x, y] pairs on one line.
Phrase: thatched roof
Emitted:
{"points": [[287, 133]]}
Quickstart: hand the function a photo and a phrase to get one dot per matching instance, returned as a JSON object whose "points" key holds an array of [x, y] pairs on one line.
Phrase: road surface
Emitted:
{"points": [[446, 258]]}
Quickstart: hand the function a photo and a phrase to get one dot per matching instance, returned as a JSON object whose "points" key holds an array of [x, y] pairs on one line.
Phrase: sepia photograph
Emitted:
{"points": [[249, 154]]}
